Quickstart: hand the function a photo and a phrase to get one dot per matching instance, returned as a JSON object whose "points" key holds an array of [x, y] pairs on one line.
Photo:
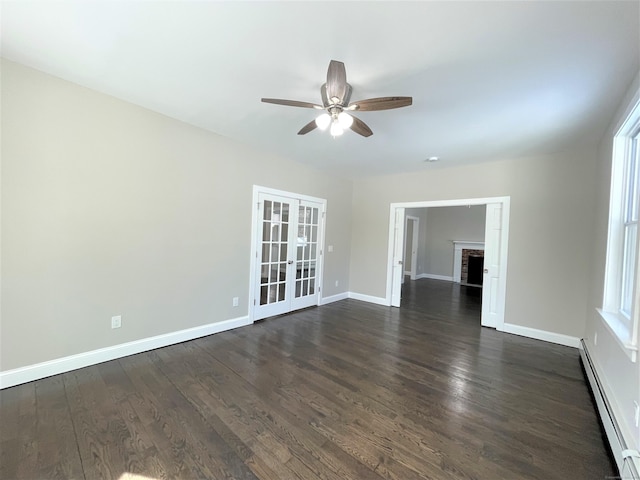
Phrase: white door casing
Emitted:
{"points": [[496, 248], [286, 252]]}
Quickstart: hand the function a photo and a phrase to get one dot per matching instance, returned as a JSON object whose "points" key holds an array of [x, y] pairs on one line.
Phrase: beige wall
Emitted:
{"points": [[551, 223], [444, 225], [620, 376], [108, 208]]}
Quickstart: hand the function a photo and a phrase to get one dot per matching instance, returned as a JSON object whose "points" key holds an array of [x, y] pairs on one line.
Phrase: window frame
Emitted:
{"points": [[620, 308]]}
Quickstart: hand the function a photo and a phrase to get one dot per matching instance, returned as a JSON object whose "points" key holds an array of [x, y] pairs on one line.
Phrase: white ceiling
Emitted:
{"points": [[489, 80]]}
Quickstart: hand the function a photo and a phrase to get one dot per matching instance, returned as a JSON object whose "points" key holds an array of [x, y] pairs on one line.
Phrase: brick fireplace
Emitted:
{"points": [[471, 268], [468, 261]]}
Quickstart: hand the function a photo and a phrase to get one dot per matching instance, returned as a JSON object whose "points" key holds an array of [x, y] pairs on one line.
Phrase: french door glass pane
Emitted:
{"points": [[267, 210]]}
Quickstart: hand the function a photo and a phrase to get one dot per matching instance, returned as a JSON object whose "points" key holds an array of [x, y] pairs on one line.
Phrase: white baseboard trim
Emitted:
{"points": [[434, 277], [30, 373], [552, 337], [334, 298], [369, 298]]}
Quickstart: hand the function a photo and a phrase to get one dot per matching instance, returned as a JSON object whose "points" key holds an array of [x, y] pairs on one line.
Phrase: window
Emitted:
{"points": [[620, 311], [629, 227]]}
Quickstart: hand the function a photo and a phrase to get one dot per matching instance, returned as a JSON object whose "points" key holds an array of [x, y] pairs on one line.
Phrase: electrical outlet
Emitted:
{"points": [[330, 248], [116, 322], [595, 338], [236, 301], [337, 283]]}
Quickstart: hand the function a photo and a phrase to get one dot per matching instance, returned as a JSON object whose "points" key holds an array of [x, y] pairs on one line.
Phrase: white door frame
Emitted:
{"points": [[255, 232], [396, 234], [413, 268]]}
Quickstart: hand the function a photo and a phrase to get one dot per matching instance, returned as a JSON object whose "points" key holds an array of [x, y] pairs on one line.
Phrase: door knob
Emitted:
{"points": [[290, 262], [486, 270]]}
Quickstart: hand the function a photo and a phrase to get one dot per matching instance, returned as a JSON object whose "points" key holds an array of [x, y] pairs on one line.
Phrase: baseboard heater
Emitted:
{"points": [[625, 458]]}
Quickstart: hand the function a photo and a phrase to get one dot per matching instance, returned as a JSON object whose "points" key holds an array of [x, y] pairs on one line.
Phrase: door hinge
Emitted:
{"points": [[254, 301]]}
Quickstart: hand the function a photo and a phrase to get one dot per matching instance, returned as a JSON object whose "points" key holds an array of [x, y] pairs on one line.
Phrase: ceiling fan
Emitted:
{"points": [[336, 94]]}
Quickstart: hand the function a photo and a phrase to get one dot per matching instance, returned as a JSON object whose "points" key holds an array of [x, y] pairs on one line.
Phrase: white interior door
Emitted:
{"points": [[287, 271], [492, 300], [398, 250]]}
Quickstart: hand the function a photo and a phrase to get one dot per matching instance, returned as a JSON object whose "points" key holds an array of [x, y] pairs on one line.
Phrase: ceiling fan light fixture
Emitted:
{"points": [[323, 121], [345, 120], [336, 129]]}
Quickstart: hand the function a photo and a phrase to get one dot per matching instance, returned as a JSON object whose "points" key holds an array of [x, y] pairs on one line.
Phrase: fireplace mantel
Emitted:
{"points": [[458, 246]]}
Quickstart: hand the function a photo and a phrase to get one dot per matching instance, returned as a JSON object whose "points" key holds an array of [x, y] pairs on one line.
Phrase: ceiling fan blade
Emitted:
{"points": [[360, 127], [308, 127], [336, 81], [323, 94], [382, 103], [347, 95], [292, 103]]}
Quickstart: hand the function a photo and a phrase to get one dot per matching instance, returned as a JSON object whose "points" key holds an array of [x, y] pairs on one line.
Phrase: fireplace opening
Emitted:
{"points": [[474, 273], [472, 267]]}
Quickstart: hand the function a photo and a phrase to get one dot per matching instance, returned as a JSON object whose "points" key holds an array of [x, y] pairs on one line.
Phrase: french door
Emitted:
{"points": [[288, 269]]}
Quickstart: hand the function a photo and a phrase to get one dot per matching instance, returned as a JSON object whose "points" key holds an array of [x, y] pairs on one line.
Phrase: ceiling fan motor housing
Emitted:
{"points": [[327, 102]]}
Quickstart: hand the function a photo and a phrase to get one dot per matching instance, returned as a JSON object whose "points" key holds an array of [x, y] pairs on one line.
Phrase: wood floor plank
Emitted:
{"points": [[20, 449], [58, 454], [349, 390], [276, 436], [196, 448]]}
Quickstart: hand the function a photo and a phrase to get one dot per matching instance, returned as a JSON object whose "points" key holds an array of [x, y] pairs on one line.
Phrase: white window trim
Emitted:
{"points": [[623, 329]]}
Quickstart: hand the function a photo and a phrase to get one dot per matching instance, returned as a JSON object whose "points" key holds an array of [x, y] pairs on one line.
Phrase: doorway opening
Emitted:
{"points": [[491, 257], [412, 229]]}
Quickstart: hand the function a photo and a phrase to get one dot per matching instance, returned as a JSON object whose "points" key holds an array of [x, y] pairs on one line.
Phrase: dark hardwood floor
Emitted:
{"points": [[347, 390]]}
